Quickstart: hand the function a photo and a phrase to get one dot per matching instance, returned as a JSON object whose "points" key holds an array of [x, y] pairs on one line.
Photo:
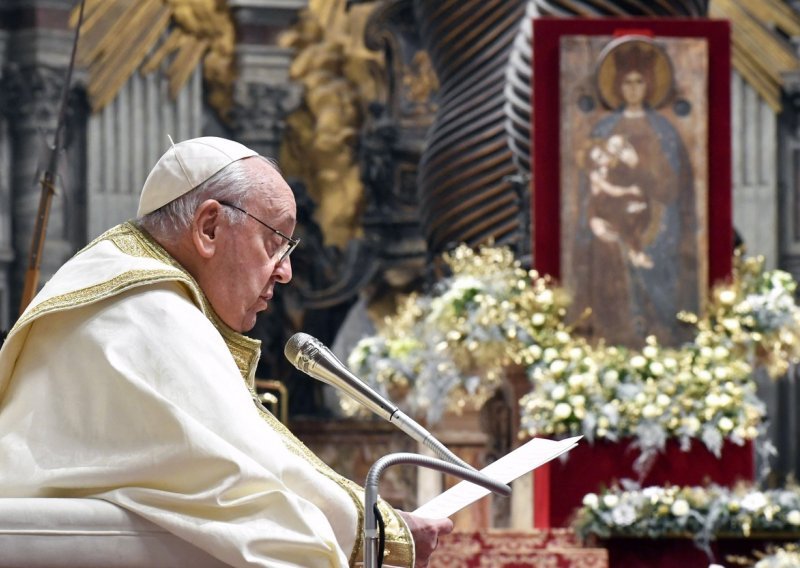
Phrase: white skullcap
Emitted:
{"points": [[186, 165]]}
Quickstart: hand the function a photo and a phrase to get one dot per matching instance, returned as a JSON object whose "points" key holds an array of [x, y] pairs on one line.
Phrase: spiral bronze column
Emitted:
{"points": [[465, 193]]}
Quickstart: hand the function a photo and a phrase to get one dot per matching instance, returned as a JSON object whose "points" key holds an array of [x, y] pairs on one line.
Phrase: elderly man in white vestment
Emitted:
{"points": [[129, 379]]}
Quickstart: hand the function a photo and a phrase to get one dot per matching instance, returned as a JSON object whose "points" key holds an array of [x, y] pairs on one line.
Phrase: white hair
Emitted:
{"points": [[231, 184]]}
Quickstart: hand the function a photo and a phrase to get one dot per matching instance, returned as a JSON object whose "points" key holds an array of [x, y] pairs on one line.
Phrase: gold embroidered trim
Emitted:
{"points": [[399, 547], [96, 292]]}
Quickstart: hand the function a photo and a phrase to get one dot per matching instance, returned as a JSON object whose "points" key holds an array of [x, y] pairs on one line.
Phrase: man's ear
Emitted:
{"points": [[206, 226]]}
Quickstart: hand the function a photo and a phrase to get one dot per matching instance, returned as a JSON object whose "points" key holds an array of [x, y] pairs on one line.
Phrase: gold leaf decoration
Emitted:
{"points": [[339, 75], [120, 36]]}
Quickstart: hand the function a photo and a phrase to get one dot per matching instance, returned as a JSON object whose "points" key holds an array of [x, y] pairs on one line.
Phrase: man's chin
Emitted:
{"points": [[250, 319], [248, 324]]}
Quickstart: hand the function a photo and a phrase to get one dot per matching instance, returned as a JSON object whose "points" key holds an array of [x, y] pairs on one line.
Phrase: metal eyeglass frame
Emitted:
{"points": [[291, 242]]}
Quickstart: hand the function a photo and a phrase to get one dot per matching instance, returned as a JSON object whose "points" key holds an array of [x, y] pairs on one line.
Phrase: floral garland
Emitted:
{"points": [[702, 512], [703, 390], [447, 351], [788, 557]]}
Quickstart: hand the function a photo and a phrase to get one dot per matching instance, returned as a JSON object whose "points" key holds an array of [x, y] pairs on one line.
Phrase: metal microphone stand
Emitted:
{"points": [[371, 492]]}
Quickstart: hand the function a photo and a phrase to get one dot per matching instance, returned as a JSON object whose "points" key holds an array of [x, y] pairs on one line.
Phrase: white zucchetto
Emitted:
{"points": [[186, 165]]}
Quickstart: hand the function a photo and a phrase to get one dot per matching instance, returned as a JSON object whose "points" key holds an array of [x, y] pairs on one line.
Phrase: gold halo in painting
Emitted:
{"points": [[633, 53]]}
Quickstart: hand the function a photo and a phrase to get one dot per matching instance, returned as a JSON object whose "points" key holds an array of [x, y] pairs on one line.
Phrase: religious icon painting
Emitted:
{"points": [[633, 183]]}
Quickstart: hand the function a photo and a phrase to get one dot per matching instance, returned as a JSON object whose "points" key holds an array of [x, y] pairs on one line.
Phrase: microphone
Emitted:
{"points": [[310, 356]]}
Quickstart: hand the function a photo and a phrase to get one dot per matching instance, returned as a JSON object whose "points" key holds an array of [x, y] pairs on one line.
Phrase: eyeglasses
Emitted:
{"points": [[287, 247]]}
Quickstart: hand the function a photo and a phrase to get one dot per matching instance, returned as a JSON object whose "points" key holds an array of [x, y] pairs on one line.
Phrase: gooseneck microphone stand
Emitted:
{"points": [[373, 553]]}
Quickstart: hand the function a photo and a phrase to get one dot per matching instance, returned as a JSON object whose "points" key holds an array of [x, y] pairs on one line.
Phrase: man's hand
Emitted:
{"points": [[426, 535]]}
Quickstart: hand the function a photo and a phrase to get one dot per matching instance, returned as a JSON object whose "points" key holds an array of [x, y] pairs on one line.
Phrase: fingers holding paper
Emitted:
{"points": [[426, 533]]}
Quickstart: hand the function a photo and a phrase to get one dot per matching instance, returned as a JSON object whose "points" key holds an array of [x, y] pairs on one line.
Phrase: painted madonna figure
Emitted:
{"points": [[637, 216]]}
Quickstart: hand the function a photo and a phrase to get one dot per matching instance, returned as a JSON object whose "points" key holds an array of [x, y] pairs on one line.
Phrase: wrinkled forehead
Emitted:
{"points": [[268, 190]]}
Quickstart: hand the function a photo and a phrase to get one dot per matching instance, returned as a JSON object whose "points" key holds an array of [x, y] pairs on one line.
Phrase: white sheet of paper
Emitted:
{"points": [[515, 464]]}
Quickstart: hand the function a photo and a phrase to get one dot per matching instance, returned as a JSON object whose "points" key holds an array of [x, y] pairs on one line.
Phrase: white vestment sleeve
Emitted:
{"points": [[137, 400]]}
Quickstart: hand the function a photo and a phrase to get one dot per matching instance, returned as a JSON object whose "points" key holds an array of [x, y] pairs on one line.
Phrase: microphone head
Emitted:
{"points": [[311, 357], [302, 350], [294, 345]]}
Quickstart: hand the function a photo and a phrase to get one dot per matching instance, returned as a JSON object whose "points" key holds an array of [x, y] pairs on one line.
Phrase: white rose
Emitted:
{"points": [[653, 493], [538, 319], [558, 366], [610, 500], [663, 400], [680, 508], [731, 324], [590, 500], [549, 354], [656, 368], [562, 410], [721, 373], [575, 353], [650, 351], [692, 424], [793, 517], [637, 361], [576, 381], [651, 411], [610, 378], [624, 515], [558, 392], [725, 424], [754, 501]]}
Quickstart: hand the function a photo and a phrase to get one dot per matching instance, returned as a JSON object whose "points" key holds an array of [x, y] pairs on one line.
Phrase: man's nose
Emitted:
{"points": [[283, 270]]}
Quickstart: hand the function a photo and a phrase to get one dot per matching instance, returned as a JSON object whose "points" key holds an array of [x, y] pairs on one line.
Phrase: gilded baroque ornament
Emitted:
{"points": [[339, 76], [121, 36], [421, 83]]}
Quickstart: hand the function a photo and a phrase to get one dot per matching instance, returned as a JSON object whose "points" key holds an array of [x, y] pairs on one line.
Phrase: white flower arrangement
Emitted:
{"points": [[704, 513], [780, 558], [447, 350], [610, 393], [704, 390]]}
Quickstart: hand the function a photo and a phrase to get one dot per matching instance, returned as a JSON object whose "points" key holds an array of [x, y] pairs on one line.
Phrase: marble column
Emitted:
{"points": [[754, 142], [263, 94]]}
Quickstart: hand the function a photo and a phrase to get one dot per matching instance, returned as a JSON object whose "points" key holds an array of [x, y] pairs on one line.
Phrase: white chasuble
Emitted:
{"points": [[120, 383]]}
